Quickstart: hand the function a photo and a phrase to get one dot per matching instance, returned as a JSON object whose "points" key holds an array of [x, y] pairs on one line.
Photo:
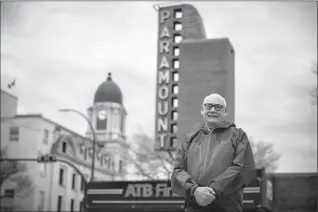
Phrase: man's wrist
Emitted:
{"points": [[215, 191], [192, 190]]}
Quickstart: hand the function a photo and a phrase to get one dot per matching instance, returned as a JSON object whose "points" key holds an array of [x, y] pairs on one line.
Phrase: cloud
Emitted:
{"points": [[61, 52]]}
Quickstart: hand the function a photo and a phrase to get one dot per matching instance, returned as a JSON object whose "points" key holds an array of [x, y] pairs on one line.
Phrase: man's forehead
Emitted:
{"points": [[214, 99]]}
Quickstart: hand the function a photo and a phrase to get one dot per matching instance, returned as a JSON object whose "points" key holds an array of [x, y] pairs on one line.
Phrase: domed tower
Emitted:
{"points": [[108, 114], [108, 117]]}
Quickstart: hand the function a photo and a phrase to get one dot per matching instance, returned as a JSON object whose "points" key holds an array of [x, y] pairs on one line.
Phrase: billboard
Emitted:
{"points": [[151, 195], [148, 195]]}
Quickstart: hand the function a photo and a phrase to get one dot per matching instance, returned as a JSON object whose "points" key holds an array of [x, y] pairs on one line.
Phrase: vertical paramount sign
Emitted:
{"points": [[169, 36]]}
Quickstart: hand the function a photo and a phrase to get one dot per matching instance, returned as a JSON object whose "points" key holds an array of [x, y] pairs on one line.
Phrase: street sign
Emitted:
{"points": [[46, 159]]}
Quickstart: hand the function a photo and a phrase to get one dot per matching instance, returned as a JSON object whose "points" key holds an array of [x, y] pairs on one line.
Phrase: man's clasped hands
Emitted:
{"points": [[204, 195]]}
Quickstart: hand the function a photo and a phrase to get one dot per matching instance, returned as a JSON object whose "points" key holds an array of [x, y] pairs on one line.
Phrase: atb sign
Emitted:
{"points": [[139, 196]]}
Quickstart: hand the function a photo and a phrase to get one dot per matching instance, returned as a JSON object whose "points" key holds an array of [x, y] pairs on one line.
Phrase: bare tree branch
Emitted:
{"points": [[152, 164], [264, 155], [14, 172]]}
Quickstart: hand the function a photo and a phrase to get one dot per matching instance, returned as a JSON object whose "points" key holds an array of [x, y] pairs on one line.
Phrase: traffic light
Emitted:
{"points": [[46, 159]]}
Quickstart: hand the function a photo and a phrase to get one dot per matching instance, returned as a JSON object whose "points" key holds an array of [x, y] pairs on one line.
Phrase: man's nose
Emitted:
{"points": [[212, 109]]}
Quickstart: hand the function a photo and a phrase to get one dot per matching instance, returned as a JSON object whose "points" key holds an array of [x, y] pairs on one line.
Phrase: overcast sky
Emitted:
{"points": [[61, 51]]}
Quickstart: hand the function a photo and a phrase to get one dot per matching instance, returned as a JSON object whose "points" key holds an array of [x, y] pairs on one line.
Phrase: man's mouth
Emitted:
{"points": [[213, 116]]}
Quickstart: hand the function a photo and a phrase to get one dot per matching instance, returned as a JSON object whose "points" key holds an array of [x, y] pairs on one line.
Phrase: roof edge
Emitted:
{"points": [[39, 115]]}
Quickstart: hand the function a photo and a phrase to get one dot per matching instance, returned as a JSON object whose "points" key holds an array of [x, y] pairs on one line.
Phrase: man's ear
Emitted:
{"points": [[225, 111]]}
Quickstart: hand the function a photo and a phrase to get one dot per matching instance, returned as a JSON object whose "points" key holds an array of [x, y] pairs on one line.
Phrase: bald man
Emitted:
{"points": [[214, 164]]}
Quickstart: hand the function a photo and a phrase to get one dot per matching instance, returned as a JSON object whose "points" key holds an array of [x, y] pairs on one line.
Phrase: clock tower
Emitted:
{"points": [[108, 117]]}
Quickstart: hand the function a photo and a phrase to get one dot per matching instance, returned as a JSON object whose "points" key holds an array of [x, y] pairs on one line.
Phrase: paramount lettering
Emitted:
{"points": [[164, 46], [164, 63], [162, 139], [163, 124], [163, 92], [163, 108], [163, 76], [165, 33], [164, 15]]}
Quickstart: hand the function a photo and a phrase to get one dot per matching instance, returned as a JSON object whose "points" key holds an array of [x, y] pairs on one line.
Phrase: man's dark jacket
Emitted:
{"points": [[221, 159]]}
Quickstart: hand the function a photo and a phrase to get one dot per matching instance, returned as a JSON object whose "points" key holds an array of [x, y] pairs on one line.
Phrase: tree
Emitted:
{"points": [[158, 165], [264, 155], [14, 172], [148, 163]]}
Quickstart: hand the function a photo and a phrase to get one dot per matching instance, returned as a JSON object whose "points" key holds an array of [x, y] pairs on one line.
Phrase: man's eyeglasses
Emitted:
{"points": [[217, 107]]}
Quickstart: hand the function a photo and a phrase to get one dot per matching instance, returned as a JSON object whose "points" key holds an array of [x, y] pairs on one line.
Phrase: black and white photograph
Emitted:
{"points": [[137, 106]]}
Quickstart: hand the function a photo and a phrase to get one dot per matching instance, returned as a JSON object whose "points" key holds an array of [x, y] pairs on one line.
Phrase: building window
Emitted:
{"points": [[9, 193], [81, 206], [177, 38], [122, 123], [178, 13], [119, 121], [120, 166], [175, 89], [174, 115], [42, 166], [64, 145], [42, 199], [73, 181], [85, 154], [173, 142], [45, 136], [106, 161], [61, 177], [72, 205], [82, 184], [14, 134], [59, 203], [43, 169], [174, 128], [101, 122], [114, 120], [109, 165], [177, 26], [81, 148], [174, 102], [176, 64], [90, 153], [176, 51], [175, 76]]}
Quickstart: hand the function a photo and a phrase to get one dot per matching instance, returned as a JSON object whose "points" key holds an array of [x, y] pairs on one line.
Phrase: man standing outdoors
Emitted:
{"points": [[214, 164]]}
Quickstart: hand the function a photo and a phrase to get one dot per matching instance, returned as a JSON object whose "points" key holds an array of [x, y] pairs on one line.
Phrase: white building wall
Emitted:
{"points": [[30, 144]]}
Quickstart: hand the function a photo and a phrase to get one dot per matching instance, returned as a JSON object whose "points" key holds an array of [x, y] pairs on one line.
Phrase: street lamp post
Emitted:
{"points": [[94, 137]]}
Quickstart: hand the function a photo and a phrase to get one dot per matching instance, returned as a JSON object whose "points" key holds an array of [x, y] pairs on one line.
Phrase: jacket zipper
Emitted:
{"points": [[204, 162]]}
